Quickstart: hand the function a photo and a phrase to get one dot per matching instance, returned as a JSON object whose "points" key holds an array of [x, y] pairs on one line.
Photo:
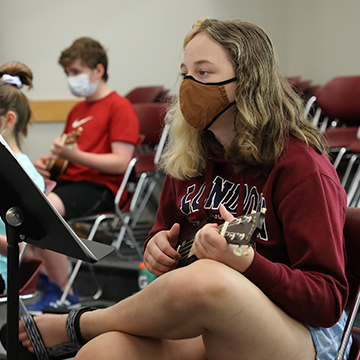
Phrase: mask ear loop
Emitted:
{"points": [[220, 113], [222, 82], [190, 77]]}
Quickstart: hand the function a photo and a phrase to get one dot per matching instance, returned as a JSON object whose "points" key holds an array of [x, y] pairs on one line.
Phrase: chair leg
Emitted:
{"points": [[72, 278], [316, 117], [309, 105], [324, 125], [353, 187], [144, 202], [349, 325], [22, 252], [99, 291], [348, 169], [117, 243], [125, 228], [339, 156], [70, 281], [22, 308], [78, 264], [356, 199]]}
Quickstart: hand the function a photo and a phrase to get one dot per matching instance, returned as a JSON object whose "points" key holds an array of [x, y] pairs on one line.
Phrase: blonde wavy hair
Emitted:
{"points": [[267, 109]]}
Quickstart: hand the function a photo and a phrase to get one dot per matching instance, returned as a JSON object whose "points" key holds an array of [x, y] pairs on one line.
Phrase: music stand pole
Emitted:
{"points": [[14, 218]]}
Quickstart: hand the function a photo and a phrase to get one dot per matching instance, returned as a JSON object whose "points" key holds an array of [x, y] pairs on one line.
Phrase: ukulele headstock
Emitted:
{"points": [[244, 229], [72, 137]]}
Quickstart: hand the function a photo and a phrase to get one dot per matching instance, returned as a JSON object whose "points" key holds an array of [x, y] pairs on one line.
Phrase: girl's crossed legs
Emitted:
{"points": [[203, 311]]}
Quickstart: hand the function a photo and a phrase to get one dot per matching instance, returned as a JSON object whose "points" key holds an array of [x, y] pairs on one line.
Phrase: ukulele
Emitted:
{"points": [[57, 166], [241, 231]]}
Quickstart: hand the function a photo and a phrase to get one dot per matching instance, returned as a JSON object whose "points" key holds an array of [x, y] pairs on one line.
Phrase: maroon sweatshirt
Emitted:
{"points": [[300, 253]]}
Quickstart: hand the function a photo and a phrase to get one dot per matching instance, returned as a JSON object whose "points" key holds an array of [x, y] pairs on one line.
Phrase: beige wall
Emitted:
{"points": [[143, 37], [323, 38], [318, 39]]}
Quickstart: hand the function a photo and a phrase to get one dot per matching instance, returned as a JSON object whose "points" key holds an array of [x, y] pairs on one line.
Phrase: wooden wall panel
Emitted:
{"points": [[50, 110]]}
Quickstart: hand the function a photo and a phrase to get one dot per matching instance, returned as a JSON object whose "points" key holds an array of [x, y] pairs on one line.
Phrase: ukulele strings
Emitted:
{"points": [[184, 251]]}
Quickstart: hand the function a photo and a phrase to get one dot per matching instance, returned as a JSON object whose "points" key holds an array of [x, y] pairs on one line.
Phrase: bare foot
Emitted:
{"points": [[52, 330]]}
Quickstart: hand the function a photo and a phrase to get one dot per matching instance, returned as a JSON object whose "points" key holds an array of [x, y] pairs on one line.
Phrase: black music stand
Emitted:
{"points": [[30, 217]]}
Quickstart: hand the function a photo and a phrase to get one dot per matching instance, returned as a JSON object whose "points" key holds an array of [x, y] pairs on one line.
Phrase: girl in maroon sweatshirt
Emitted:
{"points": [[238, 142]]}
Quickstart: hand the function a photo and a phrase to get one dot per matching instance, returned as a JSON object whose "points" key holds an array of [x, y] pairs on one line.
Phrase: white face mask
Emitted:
{"points": [[80, 85]]}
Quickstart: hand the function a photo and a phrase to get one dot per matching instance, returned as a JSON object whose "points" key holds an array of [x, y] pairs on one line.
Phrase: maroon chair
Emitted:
{"points": [[146, 94], [352, 244], [339, 99], [293, 81], [301, 87], [338, 102], [151, 119], [28, 277]]}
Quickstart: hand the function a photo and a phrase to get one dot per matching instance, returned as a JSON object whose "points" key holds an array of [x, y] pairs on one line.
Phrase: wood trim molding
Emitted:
{"points": [[51, 110]]}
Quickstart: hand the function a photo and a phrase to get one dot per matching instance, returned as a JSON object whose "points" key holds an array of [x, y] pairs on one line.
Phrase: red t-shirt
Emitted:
{"points": [[104, 121]]}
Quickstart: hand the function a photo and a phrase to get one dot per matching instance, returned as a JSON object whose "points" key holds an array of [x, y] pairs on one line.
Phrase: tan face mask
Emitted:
{"points": [[202, 103]]}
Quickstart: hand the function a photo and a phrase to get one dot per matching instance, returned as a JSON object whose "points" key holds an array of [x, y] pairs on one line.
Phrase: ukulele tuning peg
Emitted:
{"points": [[237, 251], [247, 251]]}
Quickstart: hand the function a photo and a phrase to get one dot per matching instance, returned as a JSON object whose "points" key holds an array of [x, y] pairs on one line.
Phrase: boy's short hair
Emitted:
{"points": [[89, 51]]}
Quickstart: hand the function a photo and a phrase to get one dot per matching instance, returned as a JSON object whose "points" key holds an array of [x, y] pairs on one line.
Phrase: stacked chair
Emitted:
{"points": [[304, 88], [151, 104], [109, 224], [338, 118], [122, 225], [352, 244], [335, 109], [28, 277], [147, 94], [151, 118]]}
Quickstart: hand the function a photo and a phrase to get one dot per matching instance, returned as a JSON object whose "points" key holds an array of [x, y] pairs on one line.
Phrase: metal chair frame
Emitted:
{"points": [[352, 270]]}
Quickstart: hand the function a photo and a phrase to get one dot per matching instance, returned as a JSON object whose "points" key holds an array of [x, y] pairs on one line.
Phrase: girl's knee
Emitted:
{"points": [[197, 283]]}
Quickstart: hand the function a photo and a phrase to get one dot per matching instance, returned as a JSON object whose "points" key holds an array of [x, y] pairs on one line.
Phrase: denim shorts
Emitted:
{"points": [[327, 340]]}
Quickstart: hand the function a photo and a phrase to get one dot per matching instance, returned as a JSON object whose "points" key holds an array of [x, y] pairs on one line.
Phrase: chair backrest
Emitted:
{"points": [[28, 277], [339, 99], [128, 176], [352, 243], [144, 94], [151, 119], [293, 80]]}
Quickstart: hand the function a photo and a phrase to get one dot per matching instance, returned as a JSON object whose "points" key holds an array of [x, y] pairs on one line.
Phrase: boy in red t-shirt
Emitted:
{"points": [[108, 128]]}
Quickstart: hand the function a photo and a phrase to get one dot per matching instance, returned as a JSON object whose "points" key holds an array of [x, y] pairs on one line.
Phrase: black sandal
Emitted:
{"points": [[63, 351]]}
